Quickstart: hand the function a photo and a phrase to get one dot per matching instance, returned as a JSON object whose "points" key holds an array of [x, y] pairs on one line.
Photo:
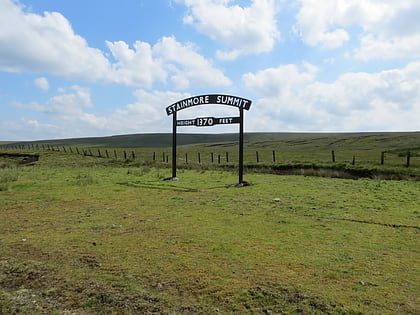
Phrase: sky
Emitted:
{"points": [[87, 68]]}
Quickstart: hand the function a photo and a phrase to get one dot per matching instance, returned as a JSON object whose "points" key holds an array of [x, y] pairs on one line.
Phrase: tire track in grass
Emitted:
{"points": [[364, 221]]}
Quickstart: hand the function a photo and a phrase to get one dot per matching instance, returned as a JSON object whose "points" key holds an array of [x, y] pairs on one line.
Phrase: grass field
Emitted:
{"points": [[84, 235], [372, 155]]}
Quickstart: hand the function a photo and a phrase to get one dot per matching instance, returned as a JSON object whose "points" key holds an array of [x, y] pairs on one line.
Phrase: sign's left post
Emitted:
{"points": [[174, 147]]}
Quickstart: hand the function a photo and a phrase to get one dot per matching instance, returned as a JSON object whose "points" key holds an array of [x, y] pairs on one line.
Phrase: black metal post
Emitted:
{"points": [[408, 159], [174, 145], [241, 145]]}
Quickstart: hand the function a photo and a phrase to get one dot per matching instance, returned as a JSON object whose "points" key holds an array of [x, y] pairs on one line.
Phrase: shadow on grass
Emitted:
{"points": [[155, 185]]}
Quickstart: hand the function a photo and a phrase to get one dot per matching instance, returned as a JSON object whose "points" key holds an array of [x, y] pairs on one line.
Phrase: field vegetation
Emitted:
{"points": [[349, 155], [82, 234]]}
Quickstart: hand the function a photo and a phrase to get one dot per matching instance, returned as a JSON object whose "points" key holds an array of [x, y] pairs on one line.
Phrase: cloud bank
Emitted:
{"points": [[291, 97], [47, 43]]}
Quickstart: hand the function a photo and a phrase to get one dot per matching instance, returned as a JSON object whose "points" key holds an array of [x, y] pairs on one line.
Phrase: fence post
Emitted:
{"points": [[408, 158], [154, 156], [199, 157], [274, 156], [333, 156], [218, 158], [354, 160], [257, 156], [382, 158], [125, 155], [212, 158], [186, 157], [227, 157]]}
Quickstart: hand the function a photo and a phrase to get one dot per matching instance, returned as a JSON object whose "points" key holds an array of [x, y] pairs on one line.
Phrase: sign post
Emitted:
{"points": [[241, 147], [218, 99], [174, 147]]}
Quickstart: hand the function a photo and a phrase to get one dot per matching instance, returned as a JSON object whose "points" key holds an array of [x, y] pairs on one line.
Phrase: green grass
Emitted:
{"points": [[292, 150], [88, 236]]}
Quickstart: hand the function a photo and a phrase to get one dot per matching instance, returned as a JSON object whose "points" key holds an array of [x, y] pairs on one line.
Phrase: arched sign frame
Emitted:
{"points": [[216, 99]]}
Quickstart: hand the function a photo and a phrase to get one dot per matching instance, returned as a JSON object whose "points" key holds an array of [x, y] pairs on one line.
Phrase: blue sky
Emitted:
{"points": [[97, 68]]}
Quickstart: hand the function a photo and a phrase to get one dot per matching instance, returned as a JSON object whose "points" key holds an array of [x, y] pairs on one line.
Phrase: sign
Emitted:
{"points": [[221, 99], [208, 121], [209, 99]]}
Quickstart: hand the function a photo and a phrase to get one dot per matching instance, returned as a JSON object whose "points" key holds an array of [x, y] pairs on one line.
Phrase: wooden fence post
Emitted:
{"points": [[227, 157], [212, 158], [333, 156], [408, 158], [274, 156], [353, 162], [382, 158], [199, 157], [257, 156]]}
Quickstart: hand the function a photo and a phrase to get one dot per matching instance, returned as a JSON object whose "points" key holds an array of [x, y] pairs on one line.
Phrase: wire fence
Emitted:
{"points": [[230, 157]]}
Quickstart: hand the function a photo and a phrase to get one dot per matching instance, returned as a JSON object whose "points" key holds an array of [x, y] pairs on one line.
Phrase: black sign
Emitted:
{"points": [[238, 102], [230, 100], [208, 121]]}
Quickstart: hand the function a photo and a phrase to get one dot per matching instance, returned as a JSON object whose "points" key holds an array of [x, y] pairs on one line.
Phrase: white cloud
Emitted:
{"points": [[384, 47], [47, 43], [67, 107], [137, 66], [248, 30], [146, 114], [35, 43], [187, 67], [18, 131], [70, 110], [70, 104], [42, 83], [385, 28], [387, 100], [146, 65]]}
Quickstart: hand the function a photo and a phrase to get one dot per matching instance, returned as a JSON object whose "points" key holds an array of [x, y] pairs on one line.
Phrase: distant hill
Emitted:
{"points": [[297, 141]]}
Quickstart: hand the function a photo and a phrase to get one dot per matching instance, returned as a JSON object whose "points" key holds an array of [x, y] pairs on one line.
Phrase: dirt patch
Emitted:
{"points": [[21, 159]]}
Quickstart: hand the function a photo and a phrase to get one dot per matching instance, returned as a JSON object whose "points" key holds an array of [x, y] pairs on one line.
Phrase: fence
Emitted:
{"points": [[207, 156]]}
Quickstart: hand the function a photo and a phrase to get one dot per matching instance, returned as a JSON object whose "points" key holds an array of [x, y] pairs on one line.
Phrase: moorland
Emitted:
{"points": [[328, 225]]}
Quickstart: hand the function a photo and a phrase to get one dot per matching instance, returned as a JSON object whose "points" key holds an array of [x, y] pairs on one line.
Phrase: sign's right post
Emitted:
{"points": [[241, 146]]}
